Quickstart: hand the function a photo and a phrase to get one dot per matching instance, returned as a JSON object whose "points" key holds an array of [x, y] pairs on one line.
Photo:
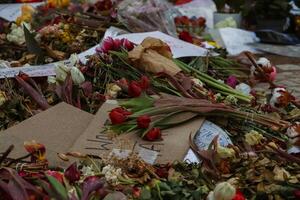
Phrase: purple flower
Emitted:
{"points": [[232, 81]]}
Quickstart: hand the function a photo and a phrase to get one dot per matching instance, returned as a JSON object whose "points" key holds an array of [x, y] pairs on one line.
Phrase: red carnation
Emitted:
{"points": [[153, 134], [72, 173], [134, 89], [185, 36], [143, 121]]}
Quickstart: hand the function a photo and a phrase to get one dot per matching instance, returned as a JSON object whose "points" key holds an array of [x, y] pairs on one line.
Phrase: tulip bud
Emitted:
{"points": [[153, 134], [106, 45], [77, 76], [118, 115], [143, 121], [117, 44], [144, 82], [134, 89], [224, 191], [127, 44]]}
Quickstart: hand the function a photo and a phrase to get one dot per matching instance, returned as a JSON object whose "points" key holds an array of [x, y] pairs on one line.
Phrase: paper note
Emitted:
{"points": [[11, 11], [178, 47], [32, 71], [237, 40], [204, 137]]}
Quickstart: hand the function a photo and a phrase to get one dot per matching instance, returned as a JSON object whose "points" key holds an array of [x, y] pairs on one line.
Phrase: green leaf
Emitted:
{"points": [[32, 44], [145, 194], [58, 187], [139, 103]]}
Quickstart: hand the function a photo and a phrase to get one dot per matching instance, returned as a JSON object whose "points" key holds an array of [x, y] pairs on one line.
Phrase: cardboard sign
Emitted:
{"points": [[174, 146], [57, 128]]}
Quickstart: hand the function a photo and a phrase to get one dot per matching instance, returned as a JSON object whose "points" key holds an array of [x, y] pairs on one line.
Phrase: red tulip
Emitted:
{"points": [[106, 45], [143, 121], [134, 89], [153, 134], [57, 175], [117, 44], [239, 196], [118, 115], [127, 44], [144, 82], [185, 36], [72, 173]]}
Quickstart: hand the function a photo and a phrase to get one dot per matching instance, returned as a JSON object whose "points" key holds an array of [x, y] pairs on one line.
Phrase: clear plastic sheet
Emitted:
{"points": [[148, 15]]}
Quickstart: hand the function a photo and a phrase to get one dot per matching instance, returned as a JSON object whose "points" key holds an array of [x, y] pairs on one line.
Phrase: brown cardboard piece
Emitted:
{"points": [[57, 128], [174, 146]]}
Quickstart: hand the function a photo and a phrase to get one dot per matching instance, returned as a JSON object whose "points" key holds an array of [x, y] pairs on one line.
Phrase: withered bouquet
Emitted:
{"points": [[54, 30]]}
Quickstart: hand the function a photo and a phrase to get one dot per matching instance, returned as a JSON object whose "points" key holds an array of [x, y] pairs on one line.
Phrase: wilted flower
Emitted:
{"points": [[16, 34], [112, 90], [77, 76], [72, 173], [3, 97], [26, 14], [153, 134], [231, 100], [269, 71], [222, 191], [280, 98], [281, 174], [111, 174], [293, 132], [143, 121], [225, 152], [51, 79], [37, 150], [264, 62], [254, 138], [58, 3], [74, 59], [61, 72]]}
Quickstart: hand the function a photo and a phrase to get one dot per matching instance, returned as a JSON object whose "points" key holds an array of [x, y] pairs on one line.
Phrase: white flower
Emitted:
{"points": [[77, 76], [51, 79], [16, 34], [244, 88], [112, 90], [264, 62], [277, 92], [223, 191], [253, 138], [3, 98], [197, 82], [87, 171], [111, 174], [225, 152], [73, 59], [61, 71]]}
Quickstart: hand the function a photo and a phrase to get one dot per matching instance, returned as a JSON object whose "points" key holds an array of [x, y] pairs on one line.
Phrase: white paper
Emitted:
{"points": [[11, 11], [204, 137], [179, 48], [236, 40], [32, 71]]}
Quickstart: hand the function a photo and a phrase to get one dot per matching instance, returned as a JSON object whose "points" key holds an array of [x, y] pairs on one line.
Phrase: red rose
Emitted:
{"points": [[153, 134], [144, 82], [127, 44], [239, 196], [185, 36], [118, 115], [72, 173], [143, 121], [134, 89]]}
